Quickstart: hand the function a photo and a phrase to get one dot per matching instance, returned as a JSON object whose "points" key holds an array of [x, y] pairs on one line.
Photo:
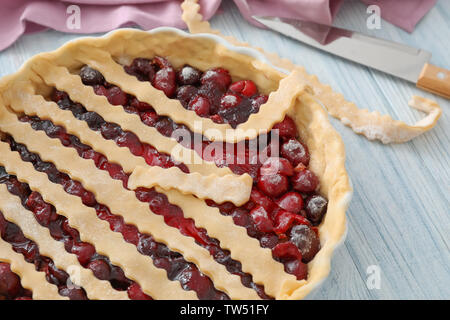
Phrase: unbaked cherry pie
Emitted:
{"points": [[164, 166]]}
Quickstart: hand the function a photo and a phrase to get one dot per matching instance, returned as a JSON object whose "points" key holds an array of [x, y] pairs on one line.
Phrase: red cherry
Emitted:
{"points": [[116, 96], [273, 184], [149, 118], [200, 105], [261, 219], [141, 106], [218, 76], [305, 181], [291, 201], [43, 211], [230, 100], [296, 152], [59, 95], [277, 165], [84, 252], [286, 251], [186, 93], [216, 118], [135, 293], [286, 128], [297, 268], [69, 231], [100, 269], [285, 219], [131, 141], [244, 87], [130, 234], [260, 199], [9, 282], [165, 80], [100, 90]]}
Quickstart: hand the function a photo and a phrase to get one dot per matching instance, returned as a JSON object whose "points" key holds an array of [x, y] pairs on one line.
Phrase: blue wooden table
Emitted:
{"points": [[399, 218]]}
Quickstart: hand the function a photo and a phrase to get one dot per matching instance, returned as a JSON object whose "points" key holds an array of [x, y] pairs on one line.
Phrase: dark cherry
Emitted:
{"points": [[142, 67], [273, 185], [94, 120], [116, 96], [304, 181], [316, 206], [295, 151], [186, 93], [91, 76], [257, 102], [188, 75], [139, 105], [56, 276], [110, 131], [306, 241], [100, 268], [73, 293], [268, 240], [238, 114], [9, 282]]}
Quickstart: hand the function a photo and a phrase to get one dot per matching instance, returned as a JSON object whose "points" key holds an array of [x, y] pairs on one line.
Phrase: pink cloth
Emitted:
{"points": [[25, 16]]}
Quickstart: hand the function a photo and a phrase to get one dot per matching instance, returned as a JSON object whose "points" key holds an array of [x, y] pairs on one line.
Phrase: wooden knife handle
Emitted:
{"points": [[435, 80]]}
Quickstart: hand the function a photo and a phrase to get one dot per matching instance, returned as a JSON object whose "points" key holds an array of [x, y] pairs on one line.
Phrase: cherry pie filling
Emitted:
{"points": [[283, 212]]}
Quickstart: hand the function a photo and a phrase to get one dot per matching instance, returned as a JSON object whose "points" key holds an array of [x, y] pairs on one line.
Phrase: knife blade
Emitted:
{"points": [[396, 59]]}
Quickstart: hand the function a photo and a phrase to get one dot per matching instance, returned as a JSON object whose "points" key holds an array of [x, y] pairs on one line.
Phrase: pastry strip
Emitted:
{"points": [[270, 113], [14, 212], [95, 231], [123, 202], [219, 189], [232, 237], [29, 277], [60, 78], [36, 105], [372, 125]]}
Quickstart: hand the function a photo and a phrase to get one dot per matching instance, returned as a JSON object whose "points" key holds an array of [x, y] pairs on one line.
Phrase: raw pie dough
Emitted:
{"points": [[25, 92]]}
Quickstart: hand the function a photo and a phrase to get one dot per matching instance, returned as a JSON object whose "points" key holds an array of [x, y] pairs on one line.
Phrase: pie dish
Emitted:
{"points": [[165, 165]]}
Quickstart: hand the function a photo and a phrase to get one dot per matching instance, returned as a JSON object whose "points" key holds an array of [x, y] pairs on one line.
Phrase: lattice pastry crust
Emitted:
{"points": [[25, 93]]}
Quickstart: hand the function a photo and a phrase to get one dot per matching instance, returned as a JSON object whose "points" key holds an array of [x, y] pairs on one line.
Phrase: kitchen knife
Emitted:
{"points": [[394, 58]]}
